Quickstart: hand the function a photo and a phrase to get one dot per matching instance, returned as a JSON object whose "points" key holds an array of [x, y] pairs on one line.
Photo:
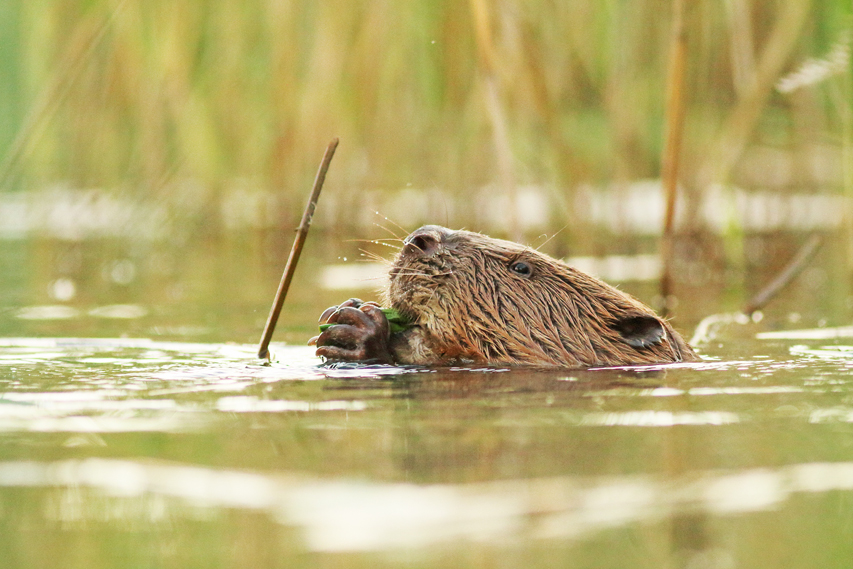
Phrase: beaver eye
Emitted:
{"points": [[521, 268]]}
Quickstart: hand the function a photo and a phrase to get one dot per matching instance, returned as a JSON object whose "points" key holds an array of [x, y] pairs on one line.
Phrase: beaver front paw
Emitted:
{"points": [[360, 333]]}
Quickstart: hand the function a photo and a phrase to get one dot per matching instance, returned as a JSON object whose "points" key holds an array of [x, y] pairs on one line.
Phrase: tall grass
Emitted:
{"points": [[139, 95]]}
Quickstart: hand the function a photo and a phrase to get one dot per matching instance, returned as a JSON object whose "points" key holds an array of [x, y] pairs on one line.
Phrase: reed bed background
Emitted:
{"points": [[516, 118], [134, 95]]}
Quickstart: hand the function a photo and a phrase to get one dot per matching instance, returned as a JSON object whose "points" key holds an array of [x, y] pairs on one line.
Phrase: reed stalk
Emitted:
{"points": [[53, 95], [295, 252], [741, 122], [794, 267], [497, 115], [672, 145]]}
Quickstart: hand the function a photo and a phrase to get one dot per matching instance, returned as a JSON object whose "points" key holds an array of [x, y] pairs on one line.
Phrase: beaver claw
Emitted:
{"points": [[360, 333]]}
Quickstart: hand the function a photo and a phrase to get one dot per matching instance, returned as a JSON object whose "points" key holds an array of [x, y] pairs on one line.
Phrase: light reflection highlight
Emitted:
{"points": [[824, 352], [347, 515], [246, 404], [47, 312], [808, 334], [659, 419], [119, 311]]}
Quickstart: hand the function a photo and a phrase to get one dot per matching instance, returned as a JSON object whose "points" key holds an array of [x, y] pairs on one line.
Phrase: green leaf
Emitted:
{"points": [[396, 321]]}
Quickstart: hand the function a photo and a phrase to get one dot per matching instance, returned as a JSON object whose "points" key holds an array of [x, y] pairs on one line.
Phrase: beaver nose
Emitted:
{"points": [[425, 241]]}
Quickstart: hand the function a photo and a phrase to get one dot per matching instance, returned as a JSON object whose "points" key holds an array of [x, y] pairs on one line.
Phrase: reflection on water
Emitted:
{"points": [[60, 312], [636, 207], [47, 313], [660, 418], [349, 515], [677, 464], [99, 263]]}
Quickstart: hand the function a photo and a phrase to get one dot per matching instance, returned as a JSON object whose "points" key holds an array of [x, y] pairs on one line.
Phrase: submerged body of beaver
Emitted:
{"points": [[474, 299]]}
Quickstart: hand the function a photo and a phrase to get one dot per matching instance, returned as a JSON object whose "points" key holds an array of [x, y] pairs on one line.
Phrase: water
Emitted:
{"points": [[137, 429], [138, 453]]}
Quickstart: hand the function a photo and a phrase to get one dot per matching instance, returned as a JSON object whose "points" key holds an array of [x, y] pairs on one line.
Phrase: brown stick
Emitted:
{"points": [[672, 147], [797, 264], [295, 251]]}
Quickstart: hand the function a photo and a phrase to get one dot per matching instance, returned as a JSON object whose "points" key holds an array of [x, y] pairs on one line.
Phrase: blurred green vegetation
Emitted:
{"points": [[135, 95], [171, 121]]}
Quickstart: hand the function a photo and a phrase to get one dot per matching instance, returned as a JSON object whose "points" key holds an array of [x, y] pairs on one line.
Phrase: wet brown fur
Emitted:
{"points": [[469, 305]]}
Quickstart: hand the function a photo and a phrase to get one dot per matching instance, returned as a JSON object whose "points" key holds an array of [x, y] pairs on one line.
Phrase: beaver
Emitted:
{"points": [[474, 299]]}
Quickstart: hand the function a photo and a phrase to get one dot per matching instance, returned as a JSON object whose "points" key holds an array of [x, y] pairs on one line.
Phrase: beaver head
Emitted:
{"points": [[480, 299]]}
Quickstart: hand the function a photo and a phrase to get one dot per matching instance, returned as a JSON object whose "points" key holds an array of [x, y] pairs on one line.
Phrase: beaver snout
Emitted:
{"points": [[425, 241]]}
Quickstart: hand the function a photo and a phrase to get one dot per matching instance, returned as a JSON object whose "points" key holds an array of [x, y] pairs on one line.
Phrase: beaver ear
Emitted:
{"points": [[641, 331]]}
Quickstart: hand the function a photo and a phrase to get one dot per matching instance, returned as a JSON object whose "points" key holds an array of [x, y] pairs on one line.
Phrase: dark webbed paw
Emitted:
{"points": [[360, 333]]}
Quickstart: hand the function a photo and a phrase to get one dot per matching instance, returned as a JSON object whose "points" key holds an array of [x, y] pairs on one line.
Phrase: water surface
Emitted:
{"points": [[147, 453]]}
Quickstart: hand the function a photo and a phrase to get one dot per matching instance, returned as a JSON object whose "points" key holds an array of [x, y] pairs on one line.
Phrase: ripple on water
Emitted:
{"points": [[144, 384], [373, 458], [129, 385]]}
